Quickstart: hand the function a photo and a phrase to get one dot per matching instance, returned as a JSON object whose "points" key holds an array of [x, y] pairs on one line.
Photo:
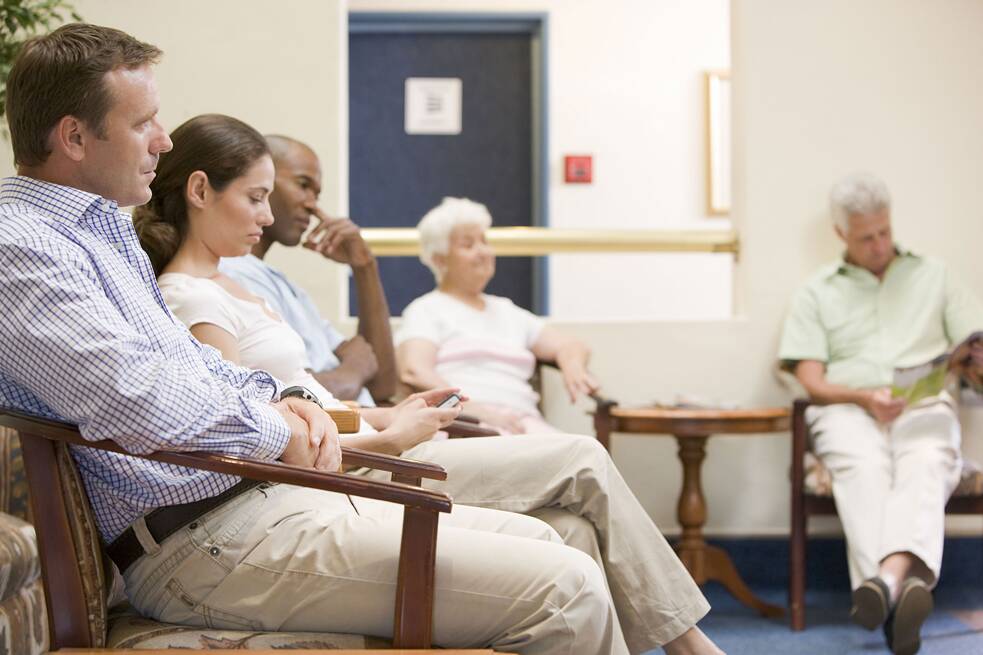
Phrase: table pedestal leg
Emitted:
{"points": [[705, 562]]}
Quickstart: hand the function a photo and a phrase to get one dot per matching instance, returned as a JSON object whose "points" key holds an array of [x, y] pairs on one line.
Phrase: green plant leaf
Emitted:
{"points": [[21, 20]]}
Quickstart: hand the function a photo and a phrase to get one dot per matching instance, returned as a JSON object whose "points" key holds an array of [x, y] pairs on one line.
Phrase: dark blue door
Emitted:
{"points": [[395, 178]]}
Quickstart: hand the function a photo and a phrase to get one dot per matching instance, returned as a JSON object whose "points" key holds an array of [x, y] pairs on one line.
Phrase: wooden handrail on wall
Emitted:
{"points": [[532, 241]]}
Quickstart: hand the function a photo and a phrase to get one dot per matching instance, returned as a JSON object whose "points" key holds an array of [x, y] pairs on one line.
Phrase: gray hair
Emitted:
{"points": [[859, 193], [436, 226]]}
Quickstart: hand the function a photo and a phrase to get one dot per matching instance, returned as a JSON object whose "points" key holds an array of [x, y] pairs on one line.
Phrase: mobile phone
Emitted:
{"points": [[452, 400]]}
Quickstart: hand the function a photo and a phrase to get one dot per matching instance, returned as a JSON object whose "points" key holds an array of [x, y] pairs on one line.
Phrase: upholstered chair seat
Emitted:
{"points": [[819, 482], [127, 629], [23, 618]]}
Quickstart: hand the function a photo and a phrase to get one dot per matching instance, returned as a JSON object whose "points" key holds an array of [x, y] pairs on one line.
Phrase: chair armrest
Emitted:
{"points": [[400, 465], [466, 429], [602, 401], [270, 471], [347, 419]]}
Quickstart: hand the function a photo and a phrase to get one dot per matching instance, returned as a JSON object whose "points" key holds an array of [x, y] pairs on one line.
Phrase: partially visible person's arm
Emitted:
{"points": [[415, 420], [374, 327], [877, 402], [313, 440], [339, 239], [218, 338], [67, 344], [356, 365], [418, 364], [571, 356]]}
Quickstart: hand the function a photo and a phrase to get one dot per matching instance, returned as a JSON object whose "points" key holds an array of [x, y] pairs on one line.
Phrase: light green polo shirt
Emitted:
{"points": [[863, 328]]}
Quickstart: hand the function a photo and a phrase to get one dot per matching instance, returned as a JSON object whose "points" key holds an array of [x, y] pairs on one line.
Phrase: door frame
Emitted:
{"points": [[536, 25]]}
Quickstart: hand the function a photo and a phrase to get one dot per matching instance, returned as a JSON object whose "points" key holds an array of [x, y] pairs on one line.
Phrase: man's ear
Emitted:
{"points": [[68, 137], [839, 232], [197, 189]]}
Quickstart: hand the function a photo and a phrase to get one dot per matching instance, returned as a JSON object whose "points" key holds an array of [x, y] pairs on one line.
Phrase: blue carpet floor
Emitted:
{"points": [[955, 628]]}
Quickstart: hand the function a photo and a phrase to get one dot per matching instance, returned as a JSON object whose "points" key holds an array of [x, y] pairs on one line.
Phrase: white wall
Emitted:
{"points": [[820, 89], [626, 85]]}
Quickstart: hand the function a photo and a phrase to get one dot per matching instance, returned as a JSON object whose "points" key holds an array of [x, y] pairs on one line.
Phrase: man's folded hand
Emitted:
{"points": [[314, 439]]}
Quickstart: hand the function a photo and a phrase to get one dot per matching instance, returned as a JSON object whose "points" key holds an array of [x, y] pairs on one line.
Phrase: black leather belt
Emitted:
{"points": [[165, 521]]}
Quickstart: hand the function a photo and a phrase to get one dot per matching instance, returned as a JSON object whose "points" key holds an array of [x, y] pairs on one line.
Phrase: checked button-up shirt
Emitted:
{"points": [[85, 337]]}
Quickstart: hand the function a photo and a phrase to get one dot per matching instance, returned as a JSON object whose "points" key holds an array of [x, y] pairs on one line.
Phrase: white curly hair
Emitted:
{"points": [[859, 193], [436, 226]]}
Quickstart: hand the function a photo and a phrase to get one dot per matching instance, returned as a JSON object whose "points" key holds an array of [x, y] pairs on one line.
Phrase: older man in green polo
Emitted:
{"points": [[894, 463]]}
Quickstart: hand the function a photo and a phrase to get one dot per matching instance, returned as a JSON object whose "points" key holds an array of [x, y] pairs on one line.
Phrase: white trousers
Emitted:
{"points": [[890, 482], [286, 558]]}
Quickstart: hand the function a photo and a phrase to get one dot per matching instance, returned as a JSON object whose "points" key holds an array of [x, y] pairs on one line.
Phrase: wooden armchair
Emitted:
{"points": [[469, 426], [74, 567], [812, 495]]}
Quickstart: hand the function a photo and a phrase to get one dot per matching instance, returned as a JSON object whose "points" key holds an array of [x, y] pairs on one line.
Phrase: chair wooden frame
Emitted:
{"points": [[67, 614], [805, 505]]}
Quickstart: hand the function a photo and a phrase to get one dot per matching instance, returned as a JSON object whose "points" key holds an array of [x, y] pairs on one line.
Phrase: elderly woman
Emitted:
{"points": [[459, 336]]}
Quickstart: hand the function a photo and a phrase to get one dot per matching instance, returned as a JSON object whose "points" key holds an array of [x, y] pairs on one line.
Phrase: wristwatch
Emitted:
{"points": [[300, 392]]}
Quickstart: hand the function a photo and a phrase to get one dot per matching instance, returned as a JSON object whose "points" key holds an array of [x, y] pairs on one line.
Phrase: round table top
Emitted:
{"points": [[699, 422]]}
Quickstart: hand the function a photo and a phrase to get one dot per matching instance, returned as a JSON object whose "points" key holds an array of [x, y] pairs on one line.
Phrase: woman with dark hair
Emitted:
{"points": [[211, 201], [218, 152]]}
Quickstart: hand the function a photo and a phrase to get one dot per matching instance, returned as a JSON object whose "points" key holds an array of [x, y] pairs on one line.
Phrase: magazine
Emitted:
{"points": [[916, 383]]}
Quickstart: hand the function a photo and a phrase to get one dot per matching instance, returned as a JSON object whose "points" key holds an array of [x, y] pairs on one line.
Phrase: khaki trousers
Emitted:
{"points": [[890, 482], [288, 558], [570, 482]]}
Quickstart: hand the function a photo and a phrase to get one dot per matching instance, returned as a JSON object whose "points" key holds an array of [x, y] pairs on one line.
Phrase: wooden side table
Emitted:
{"points": [[692, 428]]}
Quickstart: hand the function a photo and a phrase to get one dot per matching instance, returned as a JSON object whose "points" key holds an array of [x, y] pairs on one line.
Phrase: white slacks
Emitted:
{"points": [[890, 483], [286, 558]]}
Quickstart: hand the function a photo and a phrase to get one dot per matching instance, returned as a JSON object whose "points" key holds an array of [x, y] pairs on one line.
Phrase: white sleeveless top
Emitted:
{"points": [[265, 342]]}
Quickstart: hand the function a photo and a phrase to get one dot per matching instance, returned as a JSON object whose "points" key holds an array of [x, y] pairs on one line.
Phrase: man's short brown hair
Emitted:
{"points": [[63, 74]]}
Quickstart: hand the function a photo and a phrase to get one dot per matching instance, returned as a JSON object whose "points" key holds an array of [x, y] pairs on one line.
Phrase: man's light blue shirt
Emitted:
{"points": [[87, 338], [297, 309]]}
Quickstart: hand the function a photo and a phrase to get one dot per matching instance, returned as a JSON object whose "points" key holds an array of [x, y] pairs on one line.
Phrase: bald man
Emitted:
{"points": [[360, 368]]}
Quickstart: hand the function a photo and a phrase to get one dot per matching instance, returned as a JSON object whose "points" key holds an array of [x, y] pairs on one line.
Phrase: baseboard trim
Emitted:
{"points": [[763, 561]]}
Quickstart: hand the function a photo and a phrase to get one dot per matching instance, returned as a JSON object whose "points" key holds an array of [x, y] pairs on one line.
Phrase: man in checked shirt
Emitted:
{"points": [[88, 339]]}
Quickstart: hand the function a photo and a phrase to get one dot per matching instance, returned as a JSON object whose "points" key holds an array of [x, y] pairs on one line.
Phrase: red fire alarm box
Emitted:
{"points": [[577, 169]]}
